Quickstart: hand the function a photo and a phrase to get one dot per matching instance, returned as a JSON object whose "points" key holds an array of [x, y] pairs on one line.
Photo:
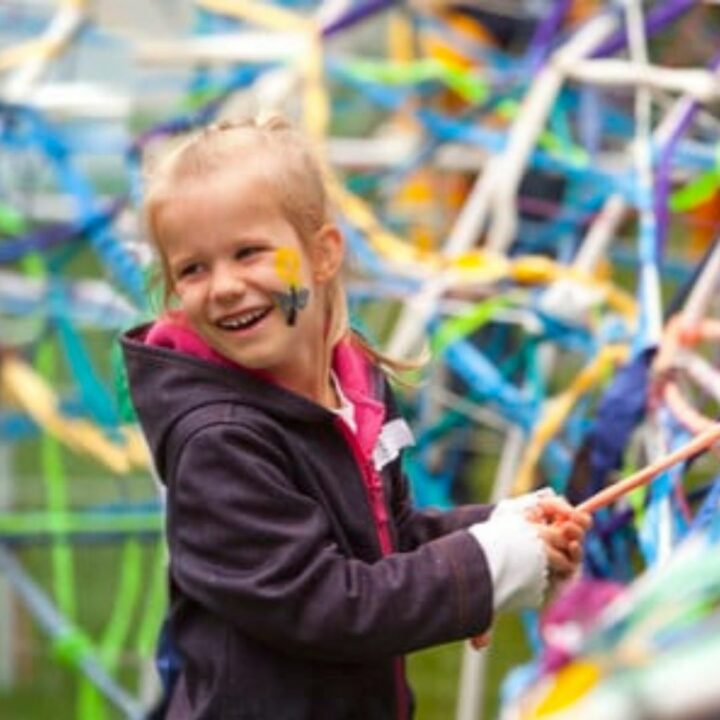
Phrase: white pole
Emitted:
{"points": [[472, 672], [148, 683], [704, 289], [8, 670]]}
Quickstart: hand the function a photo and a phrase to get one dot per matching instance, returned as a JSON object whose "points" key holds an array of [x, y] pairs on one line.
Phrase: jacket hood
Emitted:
{"points": [[165, 385]]}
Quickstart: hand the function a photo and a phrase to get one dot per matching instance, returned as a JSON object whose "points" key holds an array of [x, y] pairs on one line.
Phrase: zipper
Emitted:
{"points": [[373, 489], [378, 509]]}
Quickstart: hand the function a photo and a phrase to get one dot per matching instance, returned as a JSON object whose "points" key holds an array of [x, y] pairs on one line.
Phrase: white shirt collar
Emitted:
{"points": [[346, 411]]}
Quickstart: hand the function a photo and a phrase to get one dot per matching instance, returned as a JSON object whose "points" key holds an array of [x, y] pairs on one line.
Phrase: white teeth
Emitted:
{"points": [[240, 321]]}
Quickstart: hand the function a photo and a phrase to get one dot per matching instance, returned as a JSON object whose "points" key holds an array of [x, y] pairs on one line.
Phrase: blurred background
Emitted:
{"points": [[530, 189]]}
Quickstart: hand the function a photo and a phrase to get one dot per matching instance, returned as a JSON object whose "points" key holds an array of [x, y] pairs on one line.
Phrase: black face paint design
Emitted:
{"points": [[291, 302]]}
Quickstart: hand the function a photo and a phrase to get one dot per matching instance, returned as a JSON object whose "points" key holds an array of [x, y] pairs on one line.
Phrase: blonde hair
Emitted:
{"points": [[297, 180]]}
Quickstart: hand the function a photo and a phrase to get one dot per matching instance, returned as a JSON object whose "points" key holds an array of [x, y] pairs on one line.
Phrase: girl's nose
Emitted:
{"points": [[226, 286]]}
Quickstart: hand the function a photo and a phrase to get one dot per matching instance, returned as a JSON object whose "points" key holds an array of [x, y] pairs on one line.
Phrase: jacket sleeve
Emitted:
{"points": [[415, 527], [247, 544]]}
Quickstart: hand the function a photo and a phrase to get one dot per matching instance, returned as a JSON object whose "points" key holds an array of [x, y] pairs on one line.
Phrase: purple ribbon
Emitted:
{"points": [[545, 33], [354, 15], [656, 20]]}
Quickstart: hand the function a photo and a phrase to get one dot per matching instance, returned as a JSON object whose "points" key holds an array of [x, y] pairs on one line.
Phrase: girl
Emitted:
{"points": [[300, 574]]}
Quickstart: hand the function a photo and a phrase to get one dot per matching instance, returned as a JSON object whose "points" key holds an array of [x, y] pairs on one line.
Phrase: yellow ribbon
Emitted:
{"points": [[570, 684], [40, 48], [34, 395], [262, 14], [316, 102]]}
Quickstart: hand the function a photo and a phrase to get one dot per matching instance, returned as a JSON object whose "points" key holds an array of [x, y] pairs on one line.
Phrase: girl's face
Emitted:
{"points": [[230, 255]]}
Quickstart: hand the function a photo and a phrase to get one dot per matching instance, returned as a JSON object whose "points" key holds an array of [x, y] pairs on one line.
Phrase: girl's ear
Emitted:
{"points": [[329, 251]]}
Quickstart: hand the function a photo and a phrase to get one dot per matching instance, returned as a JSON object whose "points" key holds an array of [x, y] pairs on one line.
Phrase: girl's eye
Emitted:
{"points": [[188, 270], [248, 251]]}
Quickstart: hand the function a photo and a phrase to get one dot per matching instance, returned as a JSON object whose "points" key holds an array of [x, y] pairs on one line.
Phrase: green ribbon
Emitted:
{"points": [[60, 524], [696, 192], [11, 221], [460, 326], [70, 647], [468, 84], [155, 605]]}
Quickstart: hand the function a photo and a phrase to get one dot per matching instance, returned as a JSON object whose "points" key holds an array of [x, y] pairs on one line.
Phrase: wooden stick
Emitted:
{"points": [[649, 472]]}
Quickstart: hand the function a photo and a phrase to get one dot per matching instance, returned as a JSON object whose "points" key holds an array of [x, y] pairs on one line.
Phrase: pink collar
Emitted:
{"points": [[172, 331]]}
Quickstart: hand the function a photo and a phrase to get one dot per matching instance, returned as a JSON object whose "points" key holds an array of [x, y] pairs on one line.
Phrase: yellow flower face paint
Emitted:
{"points": [[287, 266]]}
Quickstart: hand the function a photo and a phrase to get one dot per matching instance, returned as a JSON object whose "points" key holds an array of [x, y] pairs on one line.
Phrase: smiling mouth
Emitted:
{"points": [[244, 321]]}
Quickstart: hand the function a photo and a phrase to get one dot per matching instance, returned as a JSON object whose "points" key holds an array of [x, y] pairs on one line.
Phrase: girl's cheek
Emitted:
{"points": [[269, 277], [188, 296]]}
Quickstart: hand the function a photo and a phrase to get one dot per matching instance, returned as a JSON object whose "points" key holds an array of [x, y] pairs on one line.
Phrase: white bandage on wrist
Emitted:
{"points": [[517, 560]]}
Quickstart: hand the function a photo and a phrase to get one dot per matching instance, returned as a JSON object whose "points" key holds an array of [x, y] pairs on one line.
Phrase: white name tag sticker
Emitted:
{"points": [[394, 436]]}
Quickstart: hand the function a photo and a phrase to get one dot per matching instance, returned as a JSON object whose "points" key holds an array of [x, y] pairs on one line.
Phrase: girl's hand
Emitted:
{"points": [[478, 642], [551, 509], [562, 529], [563, 548]]}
